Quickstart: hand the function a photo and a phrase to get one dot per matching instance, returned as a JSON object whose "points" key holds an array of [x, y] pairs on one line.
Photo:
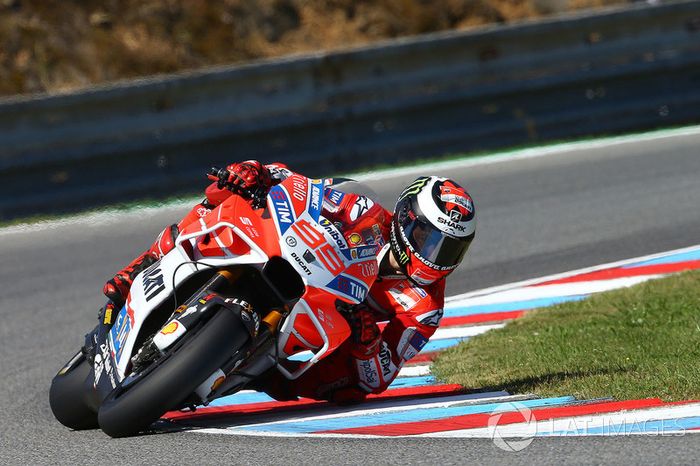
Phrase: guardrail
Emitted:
{"points": [[443, 93]]}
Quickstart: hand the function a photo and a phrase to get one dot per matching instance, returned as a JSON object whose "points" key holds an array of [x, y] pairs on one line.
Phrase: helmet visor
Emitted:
{"points": [[433, 245]]}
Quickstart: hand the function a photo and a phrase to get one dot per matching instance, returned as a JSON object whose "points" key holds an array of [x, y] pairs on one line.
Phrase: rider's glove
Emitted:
{"points": [[366, 336], [249, 177]]}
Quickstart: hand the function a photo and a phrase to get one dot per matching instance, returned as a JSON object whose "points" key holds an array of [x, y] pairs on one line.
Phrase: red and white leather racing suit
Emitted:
{"points": [[412, 312]]}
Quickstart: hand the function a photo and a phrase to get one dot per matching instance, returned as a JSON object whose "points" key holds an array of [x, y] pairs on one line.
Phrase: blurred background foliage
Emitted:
{"points": [[61, 45]]}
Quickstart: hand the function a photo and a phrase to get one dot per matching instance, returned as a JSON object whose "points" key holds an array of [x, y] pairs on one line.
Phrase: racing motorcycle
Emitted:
{"points": [[244, 289]]}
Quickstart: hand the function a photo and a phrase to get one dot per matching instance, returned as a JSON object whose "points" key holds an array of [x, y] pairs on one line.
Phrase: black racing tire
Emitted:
{"points": [[71, 396], [130, 411]]}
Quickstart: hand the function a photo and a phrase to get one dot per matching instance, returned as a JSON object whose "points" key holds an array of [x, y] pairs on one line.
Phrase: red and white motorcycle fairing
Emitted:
{"points": [[291, 226]]}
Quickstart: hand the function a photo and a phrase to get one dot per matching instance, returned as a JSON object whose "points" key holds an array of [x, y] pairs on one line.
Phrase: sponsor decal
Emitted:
{"points": [[190, 310], [404, 348], [246, 221], [410, 343], [417, 277], [322, 317], [418, 341], [108, 315], [456, 199], [241, 302], [153, 283], [301, 263], [309, 256], [404, 297], [315, 209], [103, 364], [353, 253], [367, 251], [368, 372], [455, 216], [202, 211], [334, 197], [278, 173], [414, 188], [349, 287], [291, 241], [170, 328], [387, 365], [252, 232], [119, 332], [217, 383], [361, 206], [451, 224], [368, 268], [355, 239], [431, 318], [409, 353], [324, 251], [299, 188], [282, 208], [333, 231]]}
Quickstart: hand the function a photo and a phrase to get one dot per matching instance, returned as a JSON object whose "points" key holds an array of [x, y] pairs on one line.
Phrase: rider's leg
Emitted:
{"points": [[117, 288]]}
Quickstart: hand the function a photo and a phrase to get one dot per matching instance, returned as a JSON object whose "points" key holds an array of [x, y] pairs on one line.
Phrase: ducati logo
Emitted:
{"points": [[455, 216]]}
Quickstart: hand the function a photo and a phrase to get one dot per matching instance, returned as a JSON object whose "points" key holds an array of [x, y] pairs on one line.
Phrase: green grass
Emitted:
{"points": [[636, 342]]}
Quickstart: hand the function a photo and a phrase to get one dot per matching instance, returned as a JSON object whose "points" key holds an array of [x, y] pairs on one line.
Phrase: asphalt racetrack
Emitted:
{"points": [[537, 216]]}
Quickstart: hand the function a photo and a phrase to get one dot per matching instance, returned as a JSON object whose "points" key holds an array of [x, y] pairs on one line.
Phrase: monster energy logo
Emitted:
{"points": [[403, 258], [414, 188]]}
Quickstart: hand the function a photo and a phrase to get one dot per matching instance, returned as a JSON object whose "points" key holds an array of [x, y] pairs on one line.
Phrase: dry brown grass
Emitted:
{"points": [[59, 45]]}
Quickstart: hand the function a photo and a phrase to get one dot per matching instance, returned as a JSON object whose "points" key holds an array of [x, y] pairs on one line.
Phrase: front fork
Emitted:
{"points": [[246, 365]]}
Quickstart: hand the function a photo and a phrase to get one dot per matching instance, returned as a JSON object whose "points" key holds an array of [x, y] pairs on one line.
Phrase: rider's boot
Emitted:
{"points": [[117, 288]]}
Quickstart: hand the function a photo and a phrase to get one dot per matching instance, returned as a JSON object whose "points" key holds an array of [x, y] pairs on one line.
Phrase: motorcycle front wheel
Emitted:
{"points": [[72, 393], [131, 410]]}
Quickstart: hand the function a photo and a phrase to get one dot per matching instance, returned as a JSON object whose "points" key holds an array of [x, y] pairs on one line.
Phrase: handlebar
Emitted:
{"points": [[221, 176]]}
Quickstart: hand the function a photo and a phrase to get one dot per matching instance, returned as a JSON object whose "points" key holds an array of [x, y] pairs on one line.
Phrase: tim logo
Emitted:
{"points": [[335, 196]]}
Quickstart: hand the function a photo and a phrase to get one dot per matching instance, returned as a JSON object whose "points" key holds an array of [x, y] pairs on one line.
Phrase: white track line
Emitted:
{"points": [[546, 278], [461, 400], [414, 371], [549, 426], [463, 332], [551, 291]]}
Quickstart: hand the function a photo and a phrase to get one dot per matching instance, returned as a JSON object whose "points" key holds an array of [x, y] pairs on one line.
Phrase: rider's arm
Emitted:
{"points": [[215, 196], [416, 315], [274, 174]]}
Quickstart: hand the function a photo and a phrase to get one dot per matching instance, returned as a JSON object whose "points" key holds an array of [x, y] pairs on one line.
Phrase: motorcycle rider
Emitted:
{"points": [[425, 239]]}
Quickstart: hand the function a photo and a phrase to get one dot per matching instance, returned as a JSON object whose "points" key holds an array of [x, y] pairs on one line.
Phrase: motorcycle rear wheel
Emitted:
{"points": [[69, 397], [130, 411]]}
